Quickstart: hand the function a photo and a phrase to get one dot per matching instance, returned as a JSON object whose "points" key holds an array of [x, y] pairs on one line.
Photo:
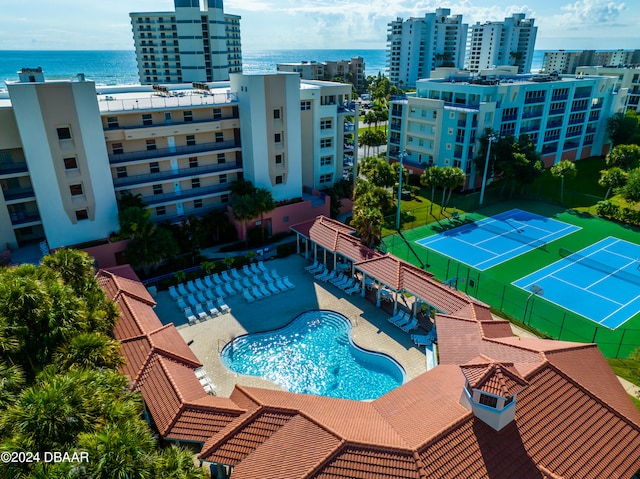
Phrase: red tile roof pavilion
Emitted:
{"points": [[572, 417]]}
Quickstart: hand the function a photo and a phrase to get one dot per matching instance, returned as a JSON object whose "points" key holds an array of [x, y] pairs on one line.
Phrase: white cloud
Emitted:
{"points": [[594, 11]]}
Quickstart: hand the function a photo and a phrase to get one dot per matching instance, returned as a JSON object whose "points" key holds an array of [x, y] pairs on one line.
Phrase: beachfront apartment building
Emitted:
{"points": [[510, 42], [627, 82], [69, 150], [564, 116], [194, 43], [419, 45], [352, 70], [566, 62]]}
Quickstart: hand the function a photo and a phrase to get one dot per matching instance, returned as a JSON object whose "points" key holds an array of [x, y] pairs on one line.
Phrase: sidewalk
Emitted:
{"points": [[631, 388], [264, 252]]}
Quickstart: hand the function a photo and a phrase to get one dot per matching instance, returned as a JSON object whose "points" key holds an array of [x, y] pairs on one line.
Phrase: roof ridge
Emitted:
{"points": [[206, 407], [445, 430]]}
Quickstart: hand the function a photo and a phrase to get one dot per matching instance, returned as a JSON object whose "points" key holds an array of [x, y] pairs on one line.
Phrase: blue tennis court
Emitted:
{"points": [[600, 282], [491, 241]]}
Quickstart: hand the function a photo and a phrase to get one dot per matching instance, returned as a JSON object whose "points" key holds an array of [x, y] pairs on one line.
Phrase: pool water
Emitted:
{"points": [[314, 354]]}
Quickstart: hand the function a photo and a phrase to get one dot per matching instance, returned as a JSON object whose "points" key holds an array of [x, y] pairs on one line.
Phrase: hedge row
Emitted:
{"points": [[624, 214]]}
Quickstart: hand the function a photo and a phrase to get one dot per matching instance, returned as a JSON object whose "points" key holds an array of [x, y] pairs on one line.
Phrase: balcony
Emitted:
{"points": [[509, 117], [556, 111], [532, 114], [169, 152], [561, 97], [185, 194], [579, 108], [554, 124], [171, 123], [535, 99], [552, 137], [19, 193], [582, 94], [9, 168], [21, 218], [180, 173], [109, 103]]}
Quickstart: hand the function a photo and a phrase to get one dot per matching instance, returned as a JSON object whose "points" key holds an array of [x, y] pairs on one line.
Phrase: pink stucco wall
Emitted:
{"points": [[105, 255], [347, 205], [284, 216]]}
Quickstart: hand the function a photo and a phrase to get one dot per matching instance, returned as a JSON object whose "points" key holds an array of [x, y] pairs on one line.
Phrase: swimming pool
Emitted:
{"points": [[314, 354]]}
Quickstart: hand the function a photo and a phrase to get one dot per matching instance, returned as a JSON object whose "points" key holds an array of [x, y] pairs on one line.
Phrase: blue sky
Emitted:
{"points": [[308, 24]]}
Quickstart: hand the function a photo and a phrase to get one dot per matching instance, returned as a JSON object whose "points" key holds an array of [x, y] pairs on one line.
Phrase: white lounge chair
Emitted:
{"points": [[274, 274], [254, 268], [313, 266], [263, 289], [247, 295], [256, 293], [182, 290], [192, 287], [421, 339], [216, 279], [288, 283], [200, 285], [353, 289], [181, 304], [200, 312], [351, 282], [281, 285], [267, 277], [200, 373], [412, 325], [210, 294], [338, 278], [224, 307], [246, 270], [192, 300], [262, 267], [317, 269], [229, 289], [234, 274], [247, 284], [321, 274], [405, 320], [219, 291], [332, 274], [256, 281], [200, 297], [212, 309], [225, 277], [173, 292], [237, 285], [397, 317], [273, 288], [210, 389], [190, 316], [208, 282]]}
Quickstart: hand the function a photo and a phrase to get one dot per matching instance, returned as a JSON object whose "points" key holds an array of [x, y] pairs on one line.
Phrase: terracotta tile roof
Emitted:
{"points": [[351, 248], [114, 285], [123, 271], [492, 377], [306, 228], [358, 462], [196, 423], [168, 341], [137, 351], [136, 318], [294, 451]]}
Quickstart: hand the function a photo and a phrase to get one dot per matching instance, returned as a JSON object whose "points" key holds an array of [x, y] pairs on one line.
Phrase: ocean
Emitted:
{"points": [[116, 67]]}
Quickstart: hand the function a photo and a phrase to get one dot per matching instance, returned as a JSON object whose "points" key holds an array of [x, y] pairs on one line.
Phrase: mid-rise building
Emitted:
{"points": [[417, 46], [627, 82], [68, 151], [188, 44], [511, 42], [352, 70], [564, 116], [566, 62]]}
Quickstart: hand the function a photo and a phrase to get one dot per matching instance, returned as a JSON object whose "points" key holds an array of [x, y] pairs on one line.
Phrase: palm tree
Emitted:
{"points": [[11, 383], [149, 250], [177, 463], [244, 209], [263, 200], [367, 220], [454, 178], [74, 267], [432, 177], [89, 351], [563, 169]]}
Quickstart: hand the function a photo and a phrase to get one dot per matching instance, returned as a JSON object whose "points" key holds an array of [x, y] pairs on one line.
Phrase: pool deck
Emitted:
{"points": [[371, 330]]}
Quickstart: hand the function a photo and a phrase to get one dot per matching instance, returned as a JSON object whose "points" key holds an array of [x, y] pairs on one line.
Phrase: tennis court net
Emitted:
{"points": [[599, 266], [513, 233]]}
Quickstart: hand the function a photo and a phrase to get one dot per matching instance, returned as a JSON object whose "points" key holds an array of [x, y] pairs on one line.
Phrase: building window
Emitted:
{"points": [[112, 122], [154, 167], [224, 199], [121, 172], [195, 182], [157, 189], [219, 137], [487, 400], [151, 145], [326, 178], [277, 137], [117, 149], [188, 115], [193, 162], [326, 142], [326, 124], [167, 116], [82, 215], [161, 210], [222, 179], [64, 133], [70, 163], [305, 105], [279, 180], [197, 203], [326, 160], [191, 140], [76, 190], [221, 158], [217, 113], [276, 114], [147, 119], [278, 159]]}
